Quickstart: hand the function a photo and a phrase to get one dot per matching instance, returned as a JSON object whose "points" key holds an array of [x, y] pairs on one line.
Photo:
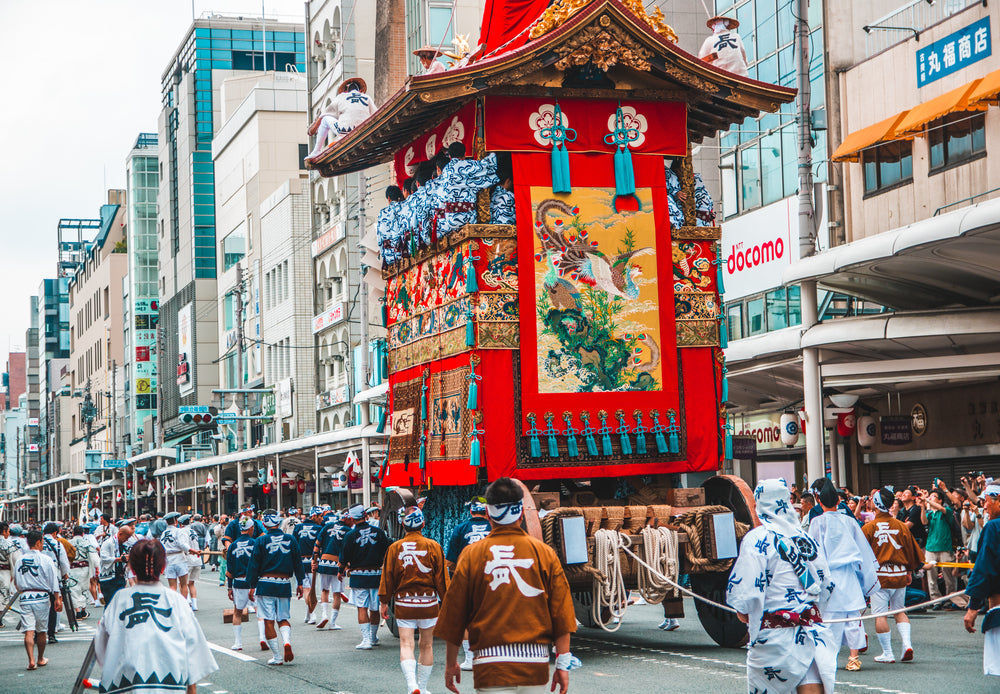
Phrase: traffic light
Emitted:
{"points": [[198, 418]]}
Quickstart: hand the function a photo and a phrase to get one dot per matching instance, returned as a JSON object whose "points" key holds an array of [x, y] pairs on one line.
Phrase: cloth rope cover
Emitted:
{"points": [[660, 549], [609, 588]]}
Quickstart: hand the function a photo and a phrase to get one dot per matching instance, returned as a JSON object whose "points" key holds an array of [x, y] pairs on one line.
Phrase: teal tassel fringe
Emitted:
{"points": [[719, 272], [423, 451], [624, 174], [381, 421], [571, 447], [553, 446], [640, 444], [423, 402], [473, 401], [536, 447], [591, 444], [661, 442], [723, 334], [725, 385], [385, 315], [471, 284], [474, 454], [470, 332], [626, 445], [675, 442], [606, 444], [729, 446], [560, 169]]}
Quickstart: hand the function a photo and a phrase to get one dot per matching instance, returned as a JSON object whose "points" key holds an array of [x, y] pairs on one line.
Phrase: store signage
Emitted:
{"points": [[955, 51], [284, 398], [328, 238], [328, 318], [744, 447], [897, 430], [765, 430], [33, 421], [185, 349], [918, 419], [113, 464], [337, 396]]}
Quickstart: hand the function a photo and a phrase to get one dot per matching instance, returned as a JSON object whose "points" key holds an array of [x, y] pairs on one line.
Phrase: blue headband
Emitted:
{"points": [[477, 506], [356, 512], [505, 514], [271, 520], [411, 517]]}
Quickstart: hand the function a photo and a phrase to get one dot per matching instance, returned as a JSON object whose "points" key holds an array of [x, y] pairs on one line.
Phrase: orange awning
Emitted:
{"points": [[950, 102], [850, 149], [988, 89]]}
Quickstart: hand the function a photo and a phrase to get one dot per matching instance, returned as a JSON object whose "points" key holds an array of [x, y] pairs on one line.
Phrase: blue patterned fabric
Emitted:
{"points": [[459, 182], [388, 232], [703, 204], [673, 204], [501, 206]]}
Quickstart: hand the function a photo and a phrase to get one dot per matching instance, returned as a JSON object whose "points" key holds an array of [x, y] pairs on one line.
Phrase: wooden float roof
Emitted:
{"points": [[606, 31]]}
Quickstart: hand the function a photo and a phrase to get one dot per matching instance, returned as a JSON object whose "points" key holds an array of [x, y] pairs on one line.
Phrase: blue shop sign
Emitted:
{"points": [[954, 52]]}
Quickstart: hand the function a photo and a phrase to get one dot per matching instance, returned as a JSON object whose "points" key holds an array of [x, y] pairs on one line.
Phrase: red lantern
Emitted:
{"points": [[267, 488], [847, 422], [301, 486], [128, 484]]}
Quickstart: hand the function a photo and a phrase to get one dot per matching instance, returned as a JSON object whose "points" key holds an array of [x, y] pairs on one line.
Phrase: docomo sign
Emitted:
{"points": [[766, 429], [741, 258]]}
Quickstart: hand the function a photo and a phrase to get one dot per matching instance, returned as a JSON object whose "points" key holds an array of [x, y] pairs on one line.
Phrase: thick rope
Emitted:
{"points": [[727, 608], [694, 524], [610, 593], [660, 549]]}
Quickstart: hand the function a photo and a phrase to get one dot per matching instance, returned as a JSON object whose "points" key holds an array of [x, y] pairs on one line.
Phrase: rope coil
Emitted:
{"points": [[660, 547], [610, 594]]}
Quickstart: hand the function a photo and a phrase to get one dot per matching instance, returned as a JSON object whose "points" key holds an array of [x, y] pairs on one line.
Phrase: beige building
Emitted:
{"points": [[96, 332], [257, 150]]}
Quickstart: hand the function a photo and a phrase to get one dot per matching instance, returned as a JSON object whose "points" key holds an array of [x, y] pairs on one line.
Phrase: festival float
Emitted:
{"points": [[580, 348]]}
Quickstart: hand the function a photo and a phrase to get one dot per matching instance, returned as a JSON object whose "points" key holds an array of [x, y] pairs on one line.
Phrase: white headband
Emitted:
{"points": [[877, 500], [505, 514]]}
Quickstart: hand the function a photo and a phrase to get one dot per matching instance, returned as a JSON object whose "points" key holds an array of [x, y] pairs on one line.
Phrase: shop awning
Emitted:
{"points": [[850, 149], [950, 102], [75, 477], [987, 90], [78, 488]]}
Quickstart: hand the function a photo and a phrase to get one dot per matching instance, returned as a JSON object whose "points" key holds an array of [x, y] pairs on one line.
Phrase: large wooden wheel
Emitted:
{"points": [[722, 626]]}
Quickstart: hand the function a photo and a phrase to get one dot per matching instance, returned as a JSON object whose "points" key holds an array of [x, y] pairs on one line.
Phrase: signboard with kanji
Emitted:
{"points": [[964, 47]]}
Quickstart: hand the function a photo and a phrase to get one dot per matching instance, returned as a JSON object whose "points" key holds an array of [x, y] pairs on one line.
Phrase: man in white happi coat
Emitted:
{"points": [[724, 48], [853, 569], [778, 586], [7, 550], [37, 578], [350, 107], [177, 545]]}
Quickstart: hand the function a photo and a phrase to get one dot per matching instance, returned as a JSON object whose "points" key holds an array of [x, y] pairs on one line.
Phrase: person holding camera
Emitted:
{"points": [[114, 556], [937, 515]]}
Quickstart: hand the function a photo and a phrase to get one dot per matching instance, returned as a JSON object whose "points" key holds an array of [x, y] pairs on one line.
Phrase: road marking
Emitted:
{"points": [[231, 653]]}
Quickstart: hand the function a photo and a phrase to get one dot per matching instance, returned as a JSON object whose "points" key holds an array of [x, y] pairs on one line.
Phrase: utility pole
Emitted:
{"points": [[114, 409], [812, 390], [239, 348], [366, 467]]}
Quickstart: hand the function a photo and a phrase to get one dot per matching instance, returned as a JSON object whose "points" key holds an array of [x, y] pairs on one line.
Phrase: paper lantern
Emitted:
{"points": [[867, 430], [789, 429], [846, 423], [301, 486], [267, 488]]}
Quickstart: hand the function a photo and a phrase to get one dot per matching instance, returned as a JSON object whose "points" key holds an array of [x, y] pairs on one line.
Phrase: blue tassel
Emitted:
{"points": [[533, 432], [605, 432], [474, 452], [385, 314], [658, 429], [591, 444], [470, 330], [381, 420], [558, 134], [674, 438], [719, 272], [553, 447], [471, 284], [621, 137], [551, 433], [729, 445], [606, 443], [661, 443], [423, 451], [588, 433], [640, 434], [472, 402], [423, 402], [571, 448], [622, 432], [725, 385], [723, 333]]}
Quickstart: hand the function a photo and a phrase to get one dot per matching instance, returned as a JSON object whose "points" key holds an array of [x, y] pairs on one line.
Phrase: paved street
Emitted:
{"points": [[639, 658]]}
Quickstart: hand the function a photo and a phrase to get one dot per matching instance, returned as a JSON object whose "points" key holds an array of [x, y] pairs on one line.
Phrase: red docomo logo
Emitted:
{"points": [[745, 258]]}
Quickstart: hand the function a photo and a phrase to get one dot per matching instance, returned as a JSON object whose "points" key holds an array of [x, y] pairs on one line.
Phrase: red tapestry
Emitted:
{"points": [[517, 124], [458, 127]]}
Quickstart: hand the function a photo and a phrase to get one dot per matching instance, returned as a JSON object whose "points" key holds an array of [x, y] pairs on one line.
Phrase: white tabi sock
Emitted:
{"points": [[904, 632], [275, 651], [409, 668], [886, 641], [194, 603], [260, 629], [366, 632], [286, 635], [373, 631], [324, 610], [238, 634], [333, 618], [423, 676], [466, 647]]}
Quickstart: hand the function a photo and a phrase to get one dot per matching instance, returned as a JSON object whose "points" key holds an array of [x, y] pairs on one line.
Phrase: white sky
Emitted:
{"points": [[83, 79]]}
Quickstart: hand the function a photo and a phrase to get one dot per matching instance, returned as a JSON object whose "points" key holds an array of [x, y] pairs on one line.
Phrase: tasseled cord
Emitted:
{"points": [[551, 432], [640, 434], [620, 138], [571, 448], [719, 264], [475, 453], [423, 401], [725, 385], [729, 441], [622, 432], [658, 429], [471, 283], [723, 333], [605, 432], [423, 451], [558, 134], [588, 434], [673, 438], [532, 433], [472, 402], [470, 330]]}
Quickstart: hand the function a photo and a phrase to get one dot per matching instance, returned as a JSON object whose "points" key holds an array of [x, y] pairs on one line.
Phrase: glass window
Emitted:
{"points": [[770, 168], [956, 138], [734, 321], [767, 36], [730, 197], [767, 70], [887, 165], [755, 316], [777, 309], [750, 177], [234, 248], [229, 312], [794, 305], [440, 28], [790, 162]]}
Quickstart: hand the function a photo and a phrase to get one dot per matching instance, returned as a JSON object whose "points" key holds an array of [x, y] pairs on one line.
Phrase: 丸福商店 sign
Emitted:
{"points": [[955, 51]]}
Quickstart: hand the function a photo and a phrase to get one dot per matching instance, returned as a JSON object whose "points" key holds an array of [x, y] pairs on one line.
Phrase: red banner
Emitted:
{"points": [[517, 124], [458, 127]]}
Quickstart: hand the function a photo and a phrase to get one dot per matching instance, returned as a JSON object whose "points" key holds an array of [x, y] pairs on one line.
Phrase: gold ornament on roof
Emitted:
{"points": [[559, 12]]}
